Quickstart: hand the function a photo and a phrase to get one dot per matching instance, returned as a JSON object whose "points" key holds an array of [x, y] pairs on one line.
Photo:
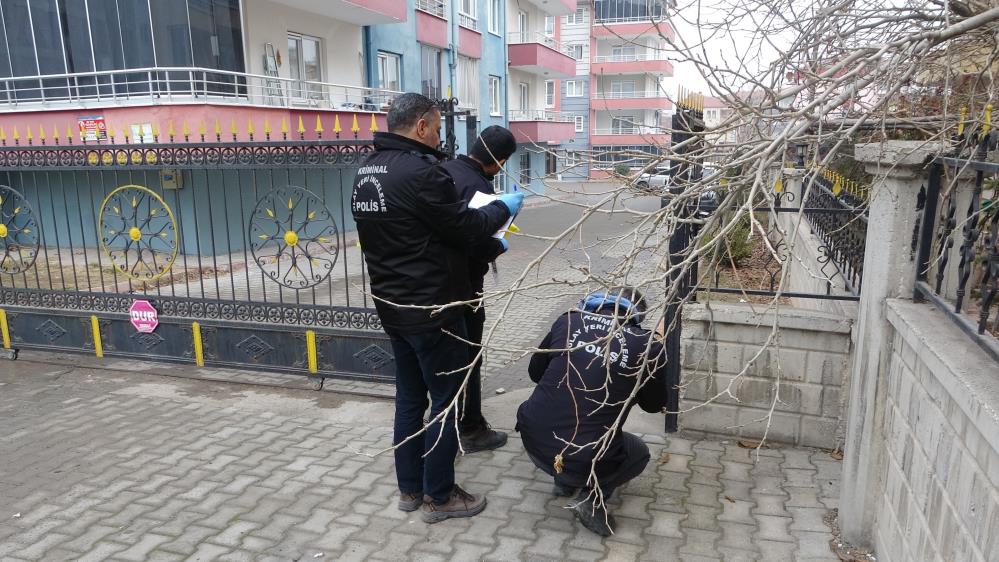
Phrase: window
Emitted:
{"points": [[468, 82], [523, 25], [389, 71], [551, 164], [574, 89], [579, 120], [494, 16], [622, 89], [430, 72], [495, 96], [525, 96], [467, 14], [305, 65], [525, 168], [575, 51], [549, 93], [623, 52], [623, 125], [550, 26], [578, 17]]}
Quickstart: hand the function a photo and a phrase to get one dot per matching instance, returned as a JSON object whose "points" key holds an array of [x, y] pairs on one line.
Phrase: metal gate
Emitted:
{"points": [[243, 250]]}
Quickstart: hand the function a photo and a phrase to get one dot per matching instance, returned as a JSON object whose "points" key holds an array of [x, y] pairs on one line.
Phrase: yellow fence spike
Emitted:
{"points": [[301, 126], [202, 129], [319, 125], [249, 127], [3, 135], [232, 127], [336, 124], [960, 121], [156, 130], [185, 130], [16, 136], [28, 134], [284, 126], [218, 128], [170, 132], [355, 128], [374, 124], [267, 127], [987, 122]]}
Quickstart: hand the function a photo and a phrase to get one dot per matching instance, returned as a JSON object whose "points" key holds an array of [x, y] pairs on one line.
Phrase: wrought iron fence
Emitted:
{"points": [[958, 238], [244, 249], [839, 219]]}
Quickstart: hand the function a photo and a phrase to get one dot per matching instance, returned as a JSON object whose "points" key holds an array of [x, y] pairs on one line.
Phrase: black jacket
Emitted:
{"points": [[469, 177], [549, 415], [415, 232]]}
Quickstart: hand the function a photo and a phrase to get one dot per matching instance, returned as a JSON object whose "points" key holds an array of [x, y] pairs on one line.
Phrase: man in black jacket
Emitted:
{"points": [[475, 173], [599, 354], [415, 233]]}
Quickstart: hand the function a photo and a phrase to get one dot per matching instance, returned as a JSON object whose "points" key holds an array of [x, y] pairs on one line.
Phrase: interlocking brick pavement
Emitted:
{"points": [[97, 465]]}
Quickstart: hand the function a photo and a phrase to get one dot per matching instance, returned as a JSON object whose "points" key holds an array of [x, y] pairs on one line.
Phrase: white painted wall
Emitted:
{"points": [[579, 33], [536, 86], [270, 22], [604, 118]]}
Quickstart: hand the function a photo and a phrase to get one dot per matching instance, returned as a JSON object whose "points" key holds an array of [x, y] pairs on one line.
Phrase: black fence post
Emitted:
{"points": [[471, 131], [679, 245]]}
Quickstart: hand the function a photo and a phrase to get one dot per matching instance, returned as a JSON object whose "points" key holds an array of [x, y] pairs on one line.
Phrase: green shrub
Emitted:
{"points": [[736, 246], [622, 169]]}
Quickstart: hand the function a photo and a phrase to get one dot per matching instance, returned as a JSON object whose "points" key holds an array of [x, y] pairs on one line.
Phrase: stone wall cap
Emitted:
{"points": [[895, 153], [758, 315]]}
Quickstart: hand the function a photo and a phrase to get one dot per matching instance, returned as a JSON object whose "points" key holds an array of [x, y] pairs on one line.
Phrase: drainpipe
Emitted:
{"points": [[366, 41], [452, 51]]}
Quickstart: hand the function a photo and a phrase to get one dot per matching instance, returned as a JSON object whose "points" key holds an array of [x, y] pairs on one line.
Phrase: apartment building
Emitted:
{"points": [[618, 99], [537, 62]]}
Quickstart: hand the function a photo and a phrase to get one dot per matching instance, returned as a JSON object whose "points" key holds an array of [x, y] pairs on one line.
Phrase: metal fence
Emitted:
{"points": [[244, 249], [958, 238]]}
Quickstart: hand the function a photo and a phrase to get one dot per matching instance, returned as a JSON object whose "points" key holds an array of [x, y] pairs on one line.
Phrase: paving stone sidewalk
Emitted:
{"points": [[136, 467]]}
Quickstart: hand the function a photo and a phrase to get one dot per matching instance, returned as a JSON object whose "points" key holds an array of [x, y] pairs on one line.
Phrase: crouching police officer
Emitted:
{"points": [[598, 354], [415, 233]]}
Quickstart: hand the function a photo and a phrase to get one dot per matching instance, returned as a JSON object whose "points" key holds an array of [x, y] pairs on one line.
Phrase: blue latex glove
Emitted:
{"points": [[505, 244], [513, 201]]}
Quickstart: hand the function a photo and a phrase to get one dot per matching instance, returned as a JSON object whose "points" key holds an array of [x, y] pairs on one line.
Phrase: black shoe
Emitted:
{"points": [[563, 491], [594, 519], [484, 438]]}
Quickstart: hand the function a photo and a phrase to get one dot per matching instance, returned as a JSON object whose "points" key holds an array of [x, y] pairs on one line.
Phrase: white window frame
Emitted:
{"points": [[468, 82], [393, 59], [572, 49], [424, 50], [580, 122], [495, 96], [495, 13], [577, 17], [549, 93], [468, 18], [524, 96], [574, 88], [549, 26], [624, 125], [301, 91]]}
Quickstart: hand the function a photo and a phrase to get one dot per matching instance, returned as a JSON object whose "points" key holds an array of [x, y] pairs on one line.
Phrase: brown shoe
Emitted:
{"points": [[410, 502], [459, 504]]}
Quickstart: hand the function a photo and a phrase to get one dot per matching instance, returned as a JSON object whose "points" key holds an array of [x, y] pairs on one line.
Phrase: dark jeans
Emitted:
{"points": [[636, 457], [420, 358], [471, 417]]}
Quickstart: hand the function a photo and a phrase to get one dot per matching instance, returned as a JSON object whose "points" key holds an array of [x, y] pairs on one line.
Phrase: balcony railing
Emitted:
{"points": [[633, 57], [631, 130], [628, 95], [166, 85], [630, 19], [435, 7], [540, 115], [468, 22], [526, 37]]}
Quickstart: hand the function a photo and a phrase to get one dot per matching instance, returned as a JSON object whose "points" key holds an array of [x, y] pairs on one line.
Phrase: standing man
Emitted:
{"points": [[415, 233], [473, 173]]}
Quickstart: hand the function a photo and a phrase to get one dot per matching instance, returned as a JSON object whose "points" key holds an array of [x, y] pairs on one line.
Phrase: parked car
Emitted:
{"points": [[656, 181]]}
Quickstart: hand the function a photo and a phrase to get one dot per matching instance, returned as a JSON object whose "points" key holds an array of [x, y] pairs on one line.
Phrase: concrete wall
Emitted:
{"points": [[813, 352], [939, 481]]}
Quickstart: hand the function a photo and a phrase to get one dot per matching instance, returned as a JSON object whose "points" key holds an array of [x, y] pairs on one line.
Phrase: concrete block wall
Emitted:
{"points": [[940, 480], [724, 348]]}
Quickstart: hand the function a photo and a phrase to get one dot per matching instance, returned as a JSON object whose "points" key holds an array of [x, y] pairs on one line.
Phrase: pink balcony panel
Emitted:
{"points": [[551, 132], [639, 29], [602, 104], [431, 30], [469, 43], [629, 140], [633, 67], [541, 60], [358, 12]]}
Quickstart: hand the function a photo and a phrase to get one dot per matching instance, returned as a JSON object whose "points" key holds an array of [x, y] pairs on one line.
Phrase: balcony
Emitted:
{"points": [[357, 12], [635, 63], [182, 85], [630, 28], [629, 135], [540, 126], [539, 54], [433, 7], [652, 99], [555, 7]]}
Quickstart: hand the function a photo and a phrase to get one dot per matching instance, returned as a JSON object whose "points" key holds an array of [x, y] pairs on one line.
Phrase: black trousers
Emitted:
{"points": [[636, 458], [471, 418]]}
